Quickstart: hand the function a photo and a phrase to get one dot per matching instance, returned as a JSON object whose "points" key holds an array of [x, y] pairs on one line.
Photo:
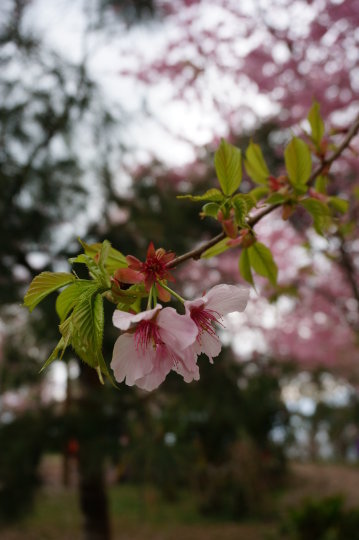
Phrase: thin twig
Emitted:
{"points": [[325, 165]]}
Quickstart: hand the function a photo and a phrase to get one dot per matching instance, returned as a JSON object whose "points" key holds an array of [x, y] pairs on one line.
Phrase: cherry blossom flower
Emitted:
{"points": [[151, 271], [155, 342], [209, 310]]}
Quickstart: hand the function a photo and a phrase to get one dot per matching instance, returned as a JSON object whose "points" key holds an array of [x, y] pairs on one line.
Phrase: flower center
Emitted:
{"points": [[205, 319], [146, 334], [155, 268]]}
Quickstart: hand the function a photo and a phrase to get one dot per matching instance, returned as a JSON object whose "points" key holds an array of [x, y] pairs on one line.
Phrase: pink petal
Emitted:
{"points": [[162, 364], [225, 299], [208, 344], [123, 320], [177, 331], [127, 362], [198, 302], [186, 365]]}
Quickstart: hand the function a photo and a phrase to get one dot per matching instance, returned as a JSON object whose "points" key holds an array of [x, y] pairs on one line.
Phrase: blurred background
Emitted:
{"points": [[109, 109]]}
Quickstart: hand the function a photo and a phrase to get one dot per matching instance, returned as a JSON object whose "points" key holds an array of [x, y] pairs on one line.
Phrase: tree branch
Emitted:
{"points": [[325, 164]]}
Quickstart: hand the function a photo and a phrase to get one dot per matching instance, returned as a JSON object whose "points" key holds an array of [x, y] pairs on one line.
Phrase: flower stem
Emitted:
{"points": [[149, 301], [173, 293]]}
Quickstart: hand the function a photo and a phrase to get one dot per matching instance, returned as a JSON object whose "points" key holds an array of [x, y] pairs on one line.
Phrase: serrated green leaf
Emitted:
{"points": [[245, 267], [217, 249], [240, 209], [228, 164], [210, 209], [67, 299], [298, 161], [316, 123], [259, 193], [212, 194], [87, 322], [104, 253], [255, 164], [338, 204], [261, 260], [247, 198], [54, 355], [44, 284], [114, 258], [96, 271]]}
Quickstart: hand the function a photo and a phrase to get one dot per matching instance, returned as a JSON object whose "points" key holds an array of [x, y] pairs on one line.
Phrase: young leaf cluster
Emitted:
{"points": [[80, 304], [298, 186]]}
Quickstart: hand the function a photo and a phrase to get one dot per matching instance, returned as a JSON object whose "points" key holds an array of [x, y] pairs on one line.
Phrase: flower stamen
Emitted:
{"points": [[147, 334], [205, 319]]}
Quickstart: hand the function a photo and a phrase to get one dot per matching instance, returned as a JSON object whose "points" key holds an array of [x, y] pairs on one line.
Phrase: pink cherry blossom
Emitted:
{"points": [[209, 310], [155, 342]]}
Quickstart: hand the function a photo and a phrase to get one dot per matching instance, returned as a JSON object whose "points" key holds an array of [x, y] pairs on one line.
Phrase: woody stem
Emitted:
{"points": [[197, 252]]}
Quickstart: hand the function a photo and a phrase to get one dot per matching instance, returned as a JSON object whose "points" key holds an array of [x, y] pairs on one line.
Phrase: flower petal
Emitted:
{"points": [[177, 331], [151, 252], [163, 295], [124, 320], [127, 362], [162, 364], [208, 344], [134, 263], [186, 365], [225, 299], [198, 302], [127, 275]]}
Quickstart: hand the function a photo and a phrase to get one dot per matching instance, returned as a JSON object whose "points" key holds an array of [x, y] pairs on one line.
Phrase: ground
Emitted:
{"points": [[140, 514]]}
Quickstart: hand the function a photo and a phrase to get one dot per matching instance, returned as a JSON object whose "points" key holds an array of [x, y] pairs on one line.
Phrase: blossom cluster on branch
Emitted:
{"points": [[155, 340]]}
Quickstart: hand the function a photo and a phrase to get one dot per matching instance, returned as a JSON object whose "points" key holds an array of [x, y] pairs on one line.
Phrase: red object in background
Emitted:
{"points": [[73, 447]]}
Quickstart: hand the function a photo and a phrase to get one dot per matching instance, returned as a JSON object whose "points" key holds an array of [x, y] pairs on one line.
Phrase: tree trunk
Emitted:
{"points": [[92, 486]]}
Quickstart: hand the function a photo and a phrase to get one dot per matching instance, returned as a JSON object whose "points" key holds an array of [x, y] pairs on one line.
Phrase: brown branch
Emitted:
{"points": [[325, 165]]}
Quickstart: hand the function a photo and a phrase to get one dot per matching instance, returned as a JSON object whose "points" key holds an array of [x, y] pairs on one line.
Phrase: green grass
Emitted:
{"points": [[137, 513]]}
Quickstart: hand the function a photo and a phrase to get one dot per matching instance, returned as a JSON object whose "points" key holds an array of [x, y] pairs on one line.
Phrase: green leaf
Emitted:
{"points": [[114, 258], [104, 253], [321, 183], [298, 161], [240, 209], [245, 267], [261, 260], [217, 249], [44, 284], [212, 194], [319, 212], [338, 204], [97, 272], [228, 164], [315, 207], [255, 164], [276, 198], [248, 198], [259, 193], [210, 209], [68, 298], [316, 123], [55, 354], [87, 321]]}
